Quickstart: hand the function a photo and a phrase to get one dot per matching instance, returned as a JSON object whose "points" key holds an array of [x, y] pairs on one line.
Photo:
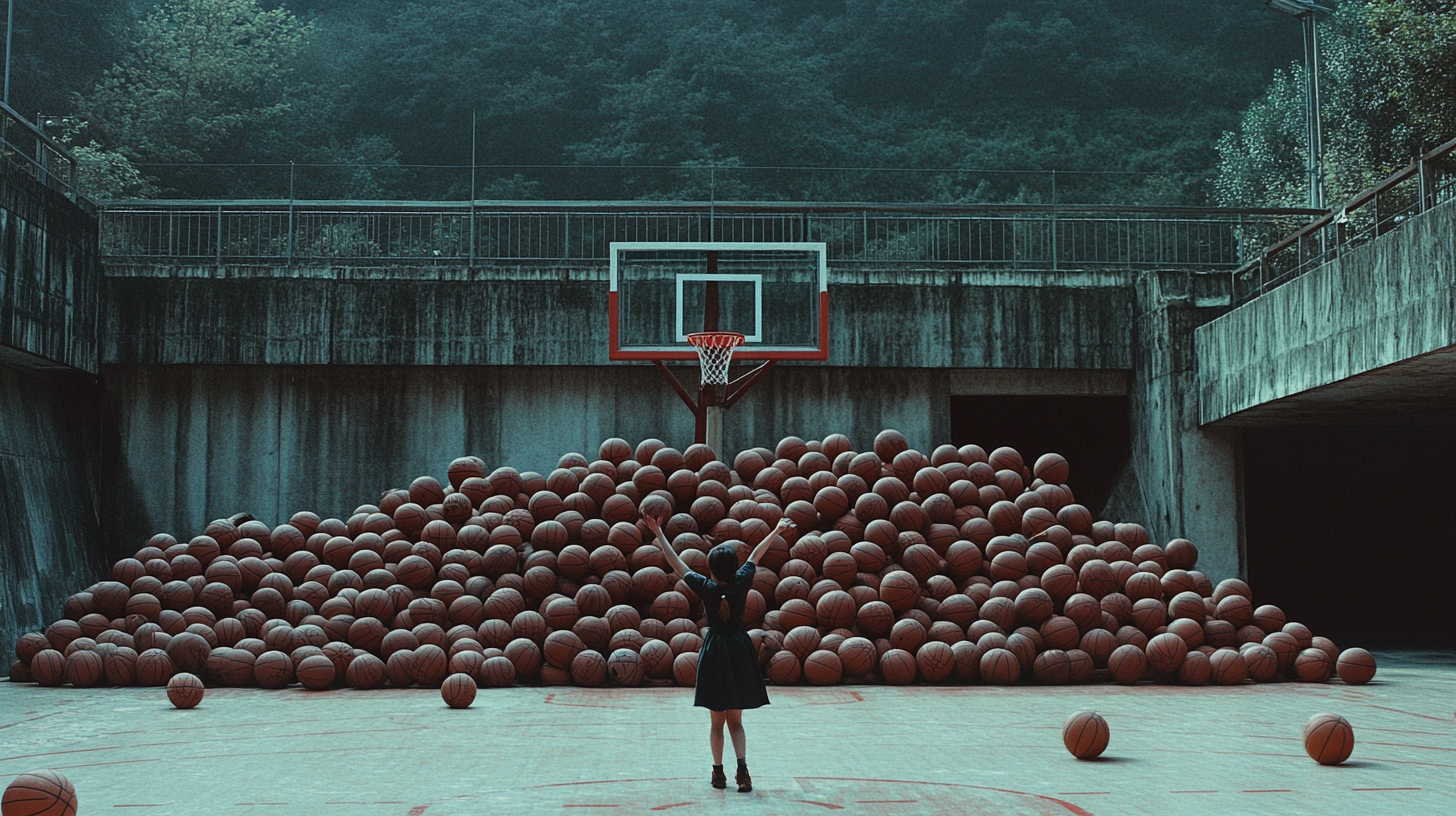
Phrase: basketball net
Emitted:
{"points": [[715, 352]]}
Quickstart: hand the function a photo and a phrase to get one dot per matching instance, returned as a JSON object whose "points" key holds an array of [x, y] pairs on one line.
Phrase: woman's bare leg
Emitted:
{"points": [[735, 731], [715, 737]]}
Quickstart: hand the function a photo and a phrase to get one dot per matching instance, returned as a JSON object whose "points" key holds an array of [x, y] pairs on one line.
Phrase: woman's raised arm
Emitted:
{"points": [[674, 560], [769, 540]]}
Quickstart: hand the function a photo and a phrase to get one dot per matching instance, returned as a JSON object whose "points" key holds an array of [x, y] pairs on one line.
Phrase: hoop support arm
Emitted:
{"points": [[740, 386], [678, 387]]}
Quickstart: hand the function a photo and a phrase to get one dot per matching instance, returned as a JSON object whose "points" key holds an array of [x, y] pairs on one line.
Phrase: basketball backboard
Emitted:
{"points": [[775, 294]]}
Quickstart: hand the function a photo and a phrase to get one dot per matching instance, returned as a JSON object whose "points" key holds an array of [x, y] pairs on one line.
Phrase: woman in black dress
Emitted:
{"points": [[729, 677]]}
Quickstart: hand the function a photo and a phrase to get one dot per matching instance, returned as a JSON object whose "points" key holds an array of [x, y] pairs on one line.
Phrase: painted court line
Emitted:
{"points": [[886, 801], [671, 806], [820, 804], [1382, 789], [1274, 790]]}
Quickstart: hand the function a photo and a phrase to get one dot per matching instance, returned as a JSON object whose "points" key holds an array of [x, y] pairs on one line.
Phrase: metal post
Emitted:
{"points": [[1054, 220], [472, 187], [9, 27], [290, 212], [1312, 115], [712, 421], [219, 235], [712, 206]]}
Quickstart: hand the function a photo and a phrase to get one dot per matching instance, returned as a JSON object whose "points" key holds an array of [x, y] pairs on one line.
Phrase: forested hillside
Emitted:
{"points": [[918, 100]]}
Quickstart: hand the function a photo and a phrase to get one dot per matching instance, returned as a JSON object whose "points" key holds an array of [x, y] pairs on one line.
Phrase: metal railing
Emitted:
{"points": [[1029, 236], [1421, 185], [27, 148]]}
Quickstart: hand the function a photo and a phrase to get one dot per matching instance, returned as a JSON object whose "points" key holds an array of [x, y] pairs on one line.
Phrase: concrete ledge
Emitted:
{"points": [[1379, 305]]}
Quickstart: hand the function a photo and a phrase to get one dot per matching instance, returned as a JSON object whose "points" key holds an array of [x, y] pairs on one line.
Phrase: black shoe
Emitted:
{"points": [[720, 779], [745, 782]]}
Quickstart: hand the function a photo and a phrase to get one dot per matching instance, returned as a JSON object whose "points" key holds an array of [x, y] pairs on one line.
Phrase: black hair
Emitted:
{"points": [[723, 563]]}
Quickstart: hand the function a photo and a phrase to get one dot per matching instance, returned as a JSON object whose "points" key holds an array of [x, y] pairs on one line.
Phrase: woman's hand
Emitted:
{"points": [[652, 523]]}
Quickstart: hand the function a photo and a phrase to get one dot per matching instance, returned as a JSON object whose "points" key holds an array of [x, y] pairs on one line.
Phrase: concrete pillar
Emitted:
{"points": [[1189, 478]]}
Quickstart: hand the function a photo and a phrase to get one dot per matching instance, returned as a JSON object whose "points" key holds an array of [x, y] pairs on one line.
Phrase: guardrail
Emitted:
{"points": [[1419, 186], [26, 147], [1031, 236]]}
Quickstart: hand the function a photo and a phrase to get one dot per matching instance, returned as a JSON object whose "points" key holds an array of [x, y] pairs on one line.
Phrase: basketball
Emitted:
{"points": [[1328, 739], [153, 667], [589, 668], [935, 661], [1312, 665], [685, 669], [784, 668], [561, 648], [1228, 667], [1195, 669], [1355, 666], [84, 669], [1085, 734], [1128, 664], [625, 668], [458, 690], [365, 672], [39, 793], [1000, 666], [316, 672], [899, 590], [898, 667], [1260, 662], [823, 668], [857, 656], [1165, 653], [184, 690], [498, 672]]}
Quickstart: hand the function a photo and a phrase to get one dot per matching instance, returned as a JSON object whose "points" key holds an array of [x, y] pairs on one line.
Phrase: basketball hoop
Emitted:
{"points": [[715, 352]]}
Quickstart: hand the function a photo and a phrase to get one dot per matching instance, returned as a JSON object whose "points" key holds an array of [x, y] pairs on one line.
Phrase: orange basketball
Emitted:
{"points": [[1312, 665], [316, 672], [184, 690], [1260, 662], [1000, 667], [153, 667], [685, 669], [624, 667], [823, 668], [562, 647], [1052, 667], [935, 661], [1166, 652], [1128, 664], [898, 667], [458, 690], [899, 590], [1085, 734], [1195, 669], [498, 671], [784, 668], [589, 668], [1356, 666], [39, 793], [1328, 739], [365, 672], [1228, 667], [84, 669], [857, 656]]}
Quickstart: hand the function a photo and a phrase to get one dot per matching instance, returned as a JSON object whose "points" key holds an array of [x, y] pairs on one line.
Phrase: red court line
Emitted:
{"points": [[1085, 793], [418, 809], [1075, 809], [161, 805], [820, 804], [1382, 789], [28, 720], [614, 781], [261, 804], [1275, 790], [671, 806], [100, 764], [1212, 791], [1411, 713], [551, 700], [1408, 745], [886, 801]]}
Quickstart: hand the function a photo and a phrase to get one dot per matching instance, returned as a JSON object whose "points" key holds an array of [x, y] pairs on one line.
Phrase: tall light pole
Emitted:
{"points": [[9, 27], [1306, 10]]}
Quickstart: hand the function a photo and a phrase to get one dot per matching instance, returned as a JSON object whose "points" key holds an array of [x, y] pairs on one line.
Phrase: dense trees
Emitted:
{"points": [[1126, 99]]}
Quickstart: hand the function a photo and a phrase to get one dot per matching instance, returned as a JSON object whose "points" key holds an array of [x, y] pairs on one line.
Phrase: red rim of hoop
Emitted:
{"points": [[715, 339]]}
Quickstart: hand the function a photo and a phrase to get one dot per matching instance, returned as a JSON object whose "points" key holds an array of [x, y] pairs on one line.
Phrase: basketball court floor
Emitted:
{"points": [[860, 749]]}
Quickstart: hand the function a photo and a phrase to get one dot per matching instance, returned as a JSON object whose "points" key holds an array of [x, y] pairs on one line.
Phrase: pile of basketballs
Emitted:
{"points": [[958, 567]]}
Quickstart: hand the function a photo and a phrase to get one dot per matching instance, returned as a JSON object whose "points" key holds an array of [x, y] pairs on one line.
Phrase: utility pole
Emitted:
{"points": [[1305, 11]]}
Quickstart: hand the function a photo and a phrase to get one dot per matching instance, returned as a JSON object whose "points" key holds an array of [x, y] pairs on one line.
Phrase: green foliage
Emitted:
{"points": [[1388, 94], [196, 73], [1124, 98]]}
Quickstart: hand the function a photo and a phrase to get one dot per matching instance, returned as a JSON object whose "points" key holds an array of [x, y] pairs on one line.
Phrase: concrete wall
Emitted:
{"points": [[1185, 481], [50, 282], [1383, 303], [50, 546], [193, 443], [888, 316], [50, 276]]}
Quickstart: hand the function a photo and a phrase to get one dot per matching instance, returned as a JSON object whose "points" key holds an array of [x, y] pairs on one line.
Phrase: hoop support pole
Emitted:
{"points": [[678, 387]]}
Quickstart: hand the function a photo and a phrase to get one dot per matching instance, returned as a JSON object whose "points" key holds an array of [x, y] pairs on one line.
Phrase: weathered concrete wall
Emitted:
{"points": [[1377, 306], [50, 276], [188, 444], [50, 546], [557, 315], [1188, 479]]}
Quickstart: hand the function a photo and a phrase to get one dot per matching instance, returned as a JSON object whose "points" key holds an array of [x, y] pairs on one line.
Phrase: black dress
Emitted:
{"points": [[728, 672]]}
